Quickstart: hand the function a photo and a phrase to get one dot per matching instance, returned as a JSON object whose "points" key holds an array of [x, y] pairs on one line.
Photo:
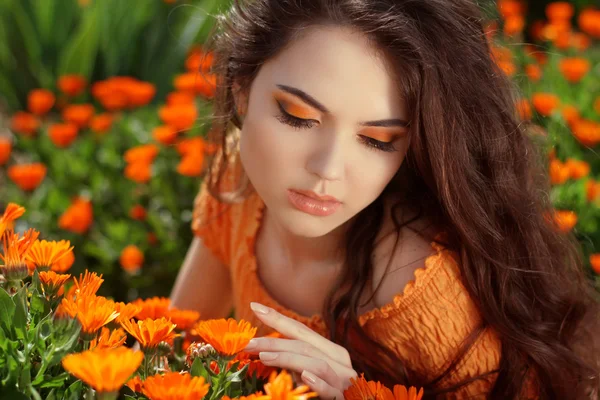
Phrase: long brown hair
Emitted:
{"points": [[471, 166]]}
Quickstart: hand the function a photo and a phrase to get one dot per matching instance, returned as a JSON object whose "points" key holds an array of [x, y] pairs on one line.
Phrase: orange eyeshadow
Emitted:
{"points": [[382, 134], [291, 105]]}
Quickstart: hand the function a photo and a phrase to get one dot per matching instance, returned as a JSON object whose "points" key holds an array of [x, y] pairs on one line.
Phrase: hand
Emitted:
{"points": [[324, 366]]}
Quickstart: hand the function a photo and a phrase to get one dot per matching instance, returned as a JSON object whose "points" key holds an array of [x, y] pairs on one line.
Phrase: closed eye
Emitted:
{"points": [[295, 122]]}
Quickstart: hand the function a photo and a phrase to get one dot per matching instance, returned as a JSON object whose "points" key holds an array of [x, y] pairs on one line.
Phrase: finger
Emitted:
{"points": [[299, 347], [318, 385], [298, 363], [293, 329]]}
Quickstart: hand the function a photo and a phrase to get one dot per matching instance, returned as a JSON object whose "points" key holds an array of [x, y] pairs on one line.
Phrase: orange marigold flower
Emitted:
{"points": [[508, 67], [524, 109], [119, 92], [281, 387], [145, 153], [139, 171], [175, 386], [78, 114], [580, 41], [72, 85], [184, 319], [592, 189], [5, 150], [545, 103], [402, 393], [589, 22], [570, 114], [153, 308], [78, 217], [108, 339], [165, 134], [102, 123], [199, 60], [533, 72], [514, 25], [226, 336], [574, 69], [595, 262], [361, 389], [62, 135], [141, 93], [255, 366], [150, 332], [106, 369], [177, 98], [509, 8], [560, 11], [126, 311], [87, 284], [44, 254], [135, 384], [27, 176], [253, 396], [189, 145], [131, 258], [12, 212], [92, 312], [559, 173], [577, 168], [565, 220], [40, 101], [16, 247], [191, 165], [197, 83], [138, 212], [179, 116], [586, 132], [24, 123], [52, 282], [64, 263]]}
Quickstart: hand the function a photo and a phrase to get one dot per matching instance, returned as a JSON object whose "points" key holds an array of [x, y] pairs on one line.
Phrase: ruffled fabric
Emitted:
{"points": [[424, 325]]}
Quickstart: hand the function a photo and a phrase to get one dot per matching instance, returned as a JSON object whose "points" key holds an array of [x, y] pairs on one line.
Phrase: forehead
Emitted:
{"points": [[340, 68]]}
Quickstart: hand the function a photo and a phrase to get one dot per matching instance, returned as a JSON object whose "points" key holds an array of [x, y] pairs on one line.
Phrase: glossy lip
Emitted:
{"points": [[320, 206], [313, 195]]}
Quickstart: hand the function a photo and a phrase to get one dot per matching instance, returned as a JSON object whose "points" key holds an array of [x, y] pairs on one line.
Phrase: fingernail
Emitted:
{"points": [[265, 356], [308, 377], [259, 308], [251, 344]]}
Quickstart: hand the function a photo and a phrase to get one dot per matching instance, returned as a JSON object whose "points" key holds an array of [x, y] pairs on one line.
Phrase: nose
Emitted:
{"points": [[328, 160]]}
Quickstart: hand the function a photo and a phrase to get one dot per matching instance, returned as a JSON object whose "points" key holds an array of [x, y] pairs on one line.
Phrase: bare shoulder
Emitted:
{"points": [[398, 255]]}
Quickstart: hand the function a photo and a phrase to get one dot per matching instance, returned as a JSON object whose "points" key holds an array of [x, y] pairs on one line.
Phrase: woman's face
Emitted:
{"points": [[323, 131]]}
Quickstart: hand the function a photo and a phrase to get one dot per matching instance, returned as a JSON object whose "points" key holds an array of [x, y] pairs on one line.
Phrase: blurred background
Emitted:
{"points": [[104, 105]]}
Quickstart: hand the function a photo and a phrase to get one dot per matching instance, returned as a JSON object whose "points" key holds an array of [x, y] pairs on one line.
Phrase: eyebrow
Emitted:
{"points": [[308, 99]]}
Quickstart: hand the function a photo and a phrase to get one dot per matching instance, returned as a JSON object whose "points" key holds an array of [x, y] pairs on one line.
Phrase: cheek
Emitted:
{"points": [[371, 175]]}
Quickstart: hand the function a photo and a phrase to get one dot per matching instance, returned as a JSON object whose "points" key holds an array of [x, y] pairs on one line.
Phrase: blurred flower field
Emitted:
{"points": [[102, 120]]}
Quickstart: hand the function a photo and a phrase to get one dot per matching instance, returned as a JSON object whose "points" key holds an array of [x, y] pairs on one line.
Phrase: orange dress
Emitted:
{"points": [[424, 325]]}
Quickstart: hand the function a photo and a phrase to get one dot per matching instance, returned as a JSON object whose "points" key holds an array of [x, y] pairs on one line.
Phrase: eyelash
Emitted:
{"points": [[299, 123]]}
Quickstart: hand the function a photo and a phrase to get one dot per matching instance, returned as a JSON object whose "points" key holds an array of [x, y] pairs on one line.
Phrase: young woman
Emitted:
{"points": [[378, 199]]}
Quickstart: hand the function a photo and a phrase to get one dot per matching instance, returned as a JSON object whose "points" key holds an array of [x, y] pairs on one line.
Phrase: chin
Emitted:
{"points": [[305, 225]]}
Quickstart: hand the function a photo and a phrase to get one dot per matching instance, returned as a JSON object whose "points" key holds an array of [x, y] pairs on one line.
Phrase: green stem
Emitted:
{"points": [[107, 396]]}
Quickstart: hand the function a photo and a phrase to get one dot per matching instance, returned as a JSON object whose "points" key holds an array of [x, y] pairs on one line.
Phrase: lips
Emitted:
{"points": [[315, 196], [313, 204]]}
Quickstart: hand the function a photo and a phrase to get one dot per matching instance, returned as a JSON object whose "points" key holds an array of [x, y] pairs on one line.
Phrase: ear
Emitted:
{"points": [[240, 98]]}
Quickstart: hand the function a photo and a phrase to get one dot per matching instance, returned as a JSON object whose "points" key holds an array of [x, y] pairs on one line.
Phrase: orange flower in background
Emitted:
{"points": [[145, 153], [508, 67], [62, 135], [72, 85], [51, 281], [253, 396], [93, 312], [12, 212], [135, 384], [580, 41], [139, 172], [586, 132], [40, 101], [102, 123], [120, 92], [199, 60], [361, 389], [175, 386], [510, 8], [78, 114], [189, 145], [281, 387], [559, 173], [108, 339], [533, 72], [574, 69], [5, 150], [197, 83], [191, 165], [106, 370], [597, 105], [27, 176], [150, 332], [138, 212], [126, 311], [177, 98], [179, 117], [13, 258], [570, 114], [184, 319], [78, 217], [165, 134], [514, 25], [64, 263], [589, 22], [228, 337], [24, 123], [44, 254], [592, 189], [560, 11], [524, 109], [87, 284], [545, 103], [565, 219], [595, 262], [153, 308], [141, 93], [131, 258], [255, 366], [577, 168]]}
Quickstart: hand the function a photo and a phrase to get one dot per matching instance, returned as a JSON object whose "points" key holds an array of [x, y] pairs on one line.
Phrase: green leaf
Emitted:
{"points": [[54, 381], [21, 315], [43, 12], [7, 310], [74, 392], [198, 369], [79, 54]]}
